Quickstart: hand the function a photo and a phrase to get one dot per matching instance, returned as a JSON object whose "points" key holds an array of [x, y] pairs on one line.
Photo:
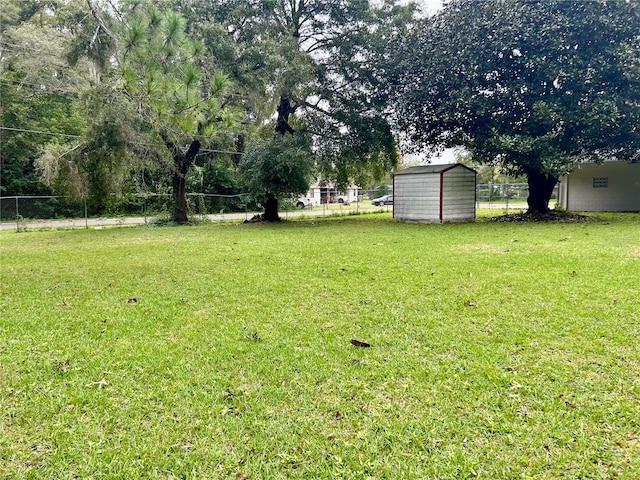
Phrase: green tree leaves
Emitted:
{"points": [[162, 75], [311, 65], [534, 86], [275, 166]]}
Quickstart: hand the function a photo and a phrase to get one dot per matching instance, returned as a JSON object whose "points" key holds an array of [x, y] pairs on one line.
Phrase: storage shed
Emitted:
{"points": [[435, 194], [606, 187]]}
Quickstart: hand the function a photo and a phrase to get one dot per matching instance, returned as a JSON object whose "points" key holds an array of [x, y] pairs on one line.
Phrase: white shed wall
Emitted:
{"points": [[622, 191], [459, 196], [416, 198]]}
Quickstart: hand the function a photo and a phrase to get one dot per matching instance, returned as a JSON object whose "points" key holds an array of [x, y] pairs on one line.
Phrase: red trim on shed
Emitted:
{"points": [[442, 172], [441, 193], [393, 205]]}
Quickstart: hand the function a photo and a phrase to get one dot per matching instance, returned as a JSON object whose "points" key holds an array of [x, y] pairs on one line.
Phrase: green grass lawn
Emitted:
{"points": [[499, 350]]}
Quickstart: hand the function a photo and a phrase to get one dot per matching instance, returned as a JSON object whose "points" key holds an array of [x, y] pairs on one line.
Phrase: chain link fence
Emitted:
{"points": [[21, 212], [49, 210], [24, 212], [507, 196], [504, 196]]}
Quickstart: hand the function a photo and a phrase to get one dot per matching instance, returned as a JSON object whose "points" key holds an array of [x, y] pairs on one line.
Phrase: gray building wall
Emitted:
{"points": [[606, 187]]}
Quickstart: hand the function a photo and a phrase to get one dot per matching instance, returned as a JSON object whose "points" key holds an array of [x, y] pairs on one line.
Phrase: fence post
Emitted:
{"points": [[17, 216], [86, 219]]}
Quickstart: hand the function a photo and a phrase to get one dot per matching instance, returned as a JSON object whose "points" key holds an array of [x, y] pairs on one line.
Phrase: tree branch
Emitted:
{"points": [[101, 25]]}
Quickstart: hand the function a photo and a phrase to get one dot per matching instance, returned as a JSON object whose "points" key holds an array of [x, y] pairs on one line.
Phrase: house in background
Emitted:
{"points": [[326, 193], [606, 187], [435, 194]]}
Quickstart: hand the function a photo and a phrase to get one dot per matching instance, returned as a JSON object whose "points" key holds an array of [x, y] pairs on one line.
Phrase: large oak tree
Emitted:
{"points": [[534, 86]]}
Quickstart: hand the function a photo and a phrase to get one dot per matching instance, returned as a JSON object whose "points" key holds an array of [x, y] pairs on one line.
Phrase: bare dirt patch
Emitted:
{"points": [[483, 248], [634, 251], [552, 216]]}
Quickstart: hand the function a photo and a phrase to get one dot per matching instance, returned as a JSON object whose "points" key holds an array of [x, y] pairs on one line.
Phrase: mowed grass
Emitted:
{"points": [[223, 351]]}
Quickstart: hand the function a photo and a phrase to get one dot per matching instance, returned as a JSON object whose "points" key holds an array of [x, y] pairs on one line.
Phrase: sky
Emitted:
{"points": [[431, 6], [448, 156]]}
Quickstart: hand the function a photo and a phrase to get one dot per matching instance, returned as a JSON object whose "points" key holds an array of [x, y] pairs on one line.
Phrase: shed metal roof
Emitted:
{"points": [[425, 169]]}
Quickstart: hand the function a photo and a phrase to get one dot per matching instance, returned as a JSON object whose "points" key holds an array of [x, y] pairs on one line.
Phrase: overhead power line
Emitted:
{"points": [[41, 88], [230, 152], [41, 132], [23, 130]]}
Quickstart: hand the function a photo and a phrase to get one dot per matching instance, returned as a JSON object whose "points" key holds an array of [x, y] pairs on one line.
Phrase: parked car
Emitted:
{"points": [[304, 202], [385, 200]]}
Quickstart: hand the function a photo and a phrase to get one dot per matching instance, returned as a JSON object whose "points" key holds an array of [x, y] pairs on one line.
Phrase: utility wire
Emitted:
{"points": [[23, 130], [39, 87], [13, 48], [41, 132], [230, 152]]}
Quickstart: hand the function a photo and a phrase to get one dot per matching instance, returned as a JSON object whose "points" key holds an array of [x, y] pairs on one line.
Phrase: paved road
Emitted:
{"points": [[102, 222]]}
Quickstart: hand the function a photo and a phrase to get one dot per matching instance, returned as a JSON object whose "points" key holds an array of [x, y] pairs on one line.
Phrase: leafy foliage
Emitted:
{"points": [[313, 63], [161, 71], [29, 114], [533, 86], [39, 91], [278, 165], [155, 76]]}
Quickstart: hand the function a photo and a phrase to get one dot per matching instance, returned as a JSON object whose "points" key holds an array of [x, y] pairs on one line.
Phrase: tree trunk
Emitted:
{"points": [[240, 148], [182, 162], [271, 209], [180, 210], [285, 109], [541, 187]]}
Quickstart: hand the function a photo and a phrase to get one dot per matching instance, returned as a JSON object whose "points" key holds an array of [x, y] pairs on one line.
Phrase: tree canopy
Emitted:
{"points": [[183, 105], [148, 73], [309, 66], [153, 101], [39, 90], [278, 166], [94, 90], [532, 86]]}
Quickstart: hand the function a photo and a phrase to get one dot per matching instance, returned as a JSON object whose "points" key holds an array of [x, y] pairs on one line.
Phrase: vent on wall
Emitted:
{"points": [[600, 182]]}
